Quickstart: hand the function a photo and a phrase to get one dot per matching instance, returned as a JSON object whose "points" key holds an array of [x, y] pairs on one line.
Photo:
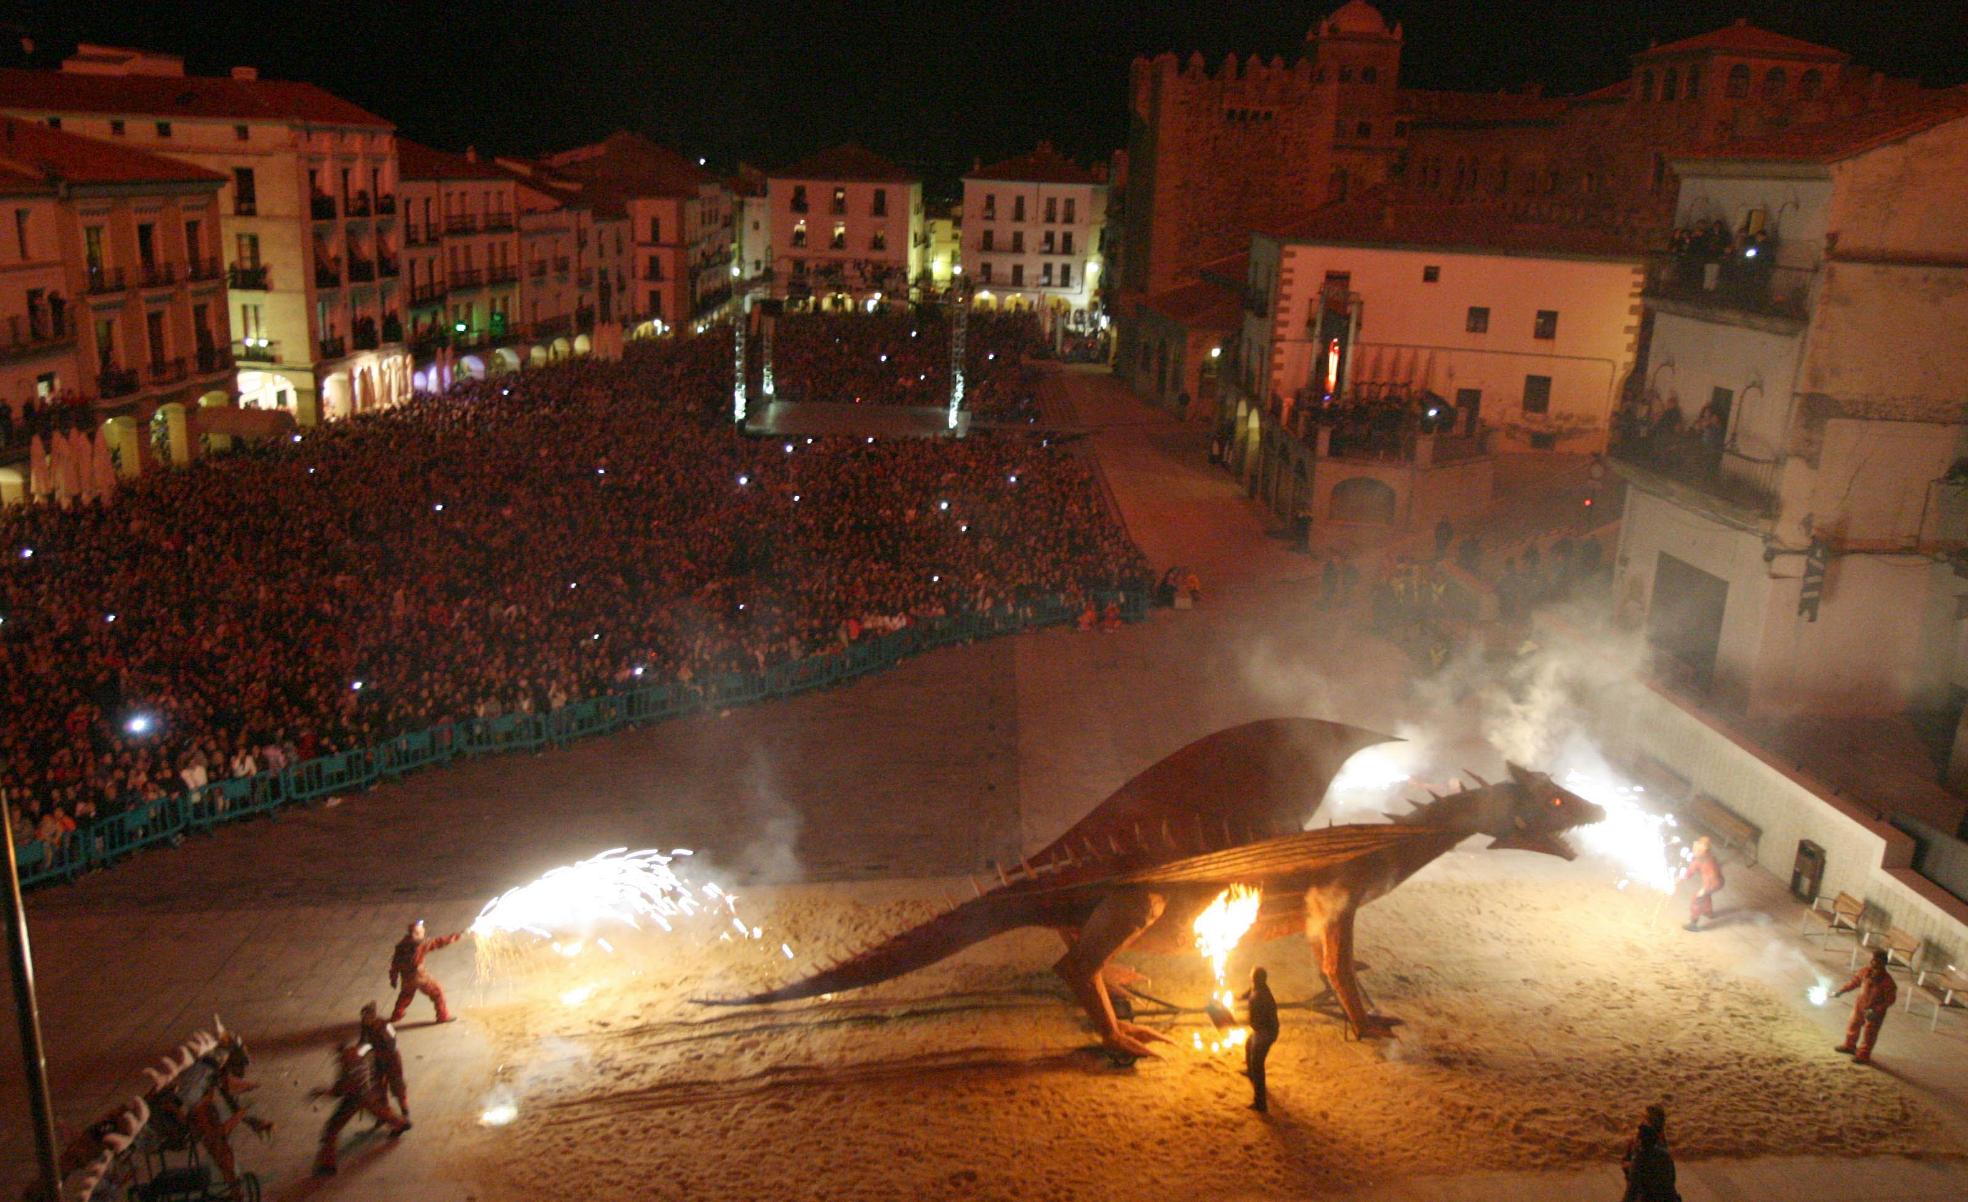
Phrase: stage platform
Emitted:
{"points": [[834, 418]]}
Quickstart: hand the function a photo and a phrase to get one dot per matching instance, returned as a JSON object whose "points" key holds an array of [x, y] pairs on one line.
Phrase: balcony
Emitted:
{"points": [[247, 279], [427, 342], [202, 269], [112, 382], [392, 328], [331, 348], [327, 276], [34, 335], [365, 339], [498, 222], [361, 271], [103, 280], [245, 207], [1739, 288], [414, 235], [321, 208], [427, 294], [1680, 464], [465, 277], [214, 359], [167, 371], [158, 275], [358, 206], [256, 350], [461, 223], [551, 327], [386, 205], [653, 275], [505, 273]]}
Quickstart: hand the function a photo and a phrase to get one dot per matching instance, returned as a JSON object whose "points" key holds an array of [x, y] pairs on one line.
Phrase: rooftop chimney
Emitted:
{"points": [[246, 73]]}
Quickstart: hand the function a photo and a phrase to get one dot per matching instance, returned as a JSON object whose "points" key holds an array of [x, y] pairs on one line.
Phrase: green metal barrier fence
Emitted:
{"points": [[111, 838]]}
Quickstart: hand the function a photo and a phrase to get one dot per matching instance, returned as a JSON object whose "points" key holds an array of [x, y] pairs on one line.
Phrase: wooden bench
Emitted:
{"points": [[1941, 987], [1724, 825], [1902, 950], [1840, 917]]}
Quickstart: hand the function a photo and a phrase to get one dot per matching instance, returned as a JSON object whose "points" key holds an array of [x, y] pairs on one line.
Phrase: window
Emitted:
{"points": [[163, 129], [799, 198], [1660, 170], [1363, 130], [879, 240], [990, 241], [990, 206], [106, 341], [20, 231], [1018, 208], [241, 133], [1478, 321], [1071, 216], [248, 247], [1545, 325], [54, 123], [1670, 84], [799, 233], [115, 129], [1065, 275], [1018, 242], [154, 330], [840, 202], [1045, 275], [1346, 75], [1066, 243], [1738, 85], [1537, 394], [656, 229], [655, 304], [839, 240], [987, 272], [881, 202], [1369, 74], [1017, 275], [1431, 274], [1694, 89], [244, 200], [654, 271], [1773, 83], [92, 247], [194, 246], [1046, 241], [1052, 209], [1810, 84]]}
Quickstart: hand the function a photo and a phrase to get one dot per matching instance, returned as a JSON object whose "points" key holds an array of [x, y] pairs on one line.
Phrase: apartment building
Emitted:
{"points": [[681, 220], [462, 255], [1796, 526], [847, 224], [38, 313], [1034, 235], [575, 254], [308, 217], [751, 223]]}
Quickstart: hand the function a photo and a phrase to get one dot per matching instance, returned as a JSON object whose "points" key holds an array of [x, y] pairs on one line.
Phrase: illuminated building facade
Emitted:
{"points": [[1034, 234], [846, 225], [461, 256]]}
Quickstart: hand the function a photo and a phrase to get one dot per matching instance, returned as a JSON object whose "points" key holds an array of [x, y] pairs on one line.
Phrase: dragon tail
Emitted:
{"points": [[918, 947]]}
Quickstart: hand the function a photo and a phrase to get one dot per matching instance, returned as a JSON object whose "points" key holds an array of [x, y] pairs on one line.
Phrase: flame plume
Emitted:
{"points": [[1218, 929]]}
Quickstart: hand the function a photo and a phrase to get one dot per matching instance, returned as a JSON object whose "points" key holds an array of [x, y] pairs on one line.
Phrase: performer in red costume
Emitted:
{"points": [[1705, 866], [1877, 993], [407, 970]]}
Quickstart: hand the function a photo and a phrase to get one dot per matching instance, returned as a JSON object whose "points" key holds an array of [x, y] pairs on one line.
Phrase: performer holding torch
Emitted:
{"points": [[407, 970], [1877, 993], [1263, 1017]]}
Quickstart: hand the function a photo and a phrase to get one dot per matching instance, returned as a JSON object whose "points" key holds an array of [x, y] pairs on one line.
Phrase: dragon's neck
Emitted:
{"points": [[1468, 811]]}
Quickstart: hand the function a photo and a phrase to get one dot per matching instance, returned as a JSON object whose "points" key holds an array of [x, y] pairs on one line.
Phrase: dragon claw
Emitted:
{"points": [[1121, 1044], [1377, 1026], [1141, 1034]]}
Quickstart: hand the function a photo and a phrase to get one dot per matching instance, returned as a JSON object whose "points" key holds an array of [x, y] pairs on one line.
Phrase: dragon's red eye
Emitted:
{"points": [[1557, 801]]}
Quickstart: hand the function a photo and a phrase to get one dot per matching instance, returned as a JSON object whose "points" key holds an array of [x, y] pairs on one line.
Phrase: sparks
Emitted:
{"points": [[1218, 930], [1644, 845], [1818, 994], [499, 1114]]}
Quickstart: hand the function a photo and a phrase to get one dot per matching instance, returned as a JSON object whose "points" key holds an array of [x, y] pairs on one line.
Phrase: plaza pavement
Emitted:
{"points": [[935, 769]]}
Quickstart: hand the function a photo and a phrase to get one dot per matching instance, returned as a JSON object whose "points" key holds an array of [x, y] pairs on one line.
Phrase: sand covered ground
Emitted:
{"points": [[1543, 1010]]}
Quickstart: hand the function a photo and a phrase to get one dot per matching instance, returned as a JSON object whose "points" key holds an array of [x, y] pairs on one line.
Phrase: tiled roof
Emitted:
{"points": [[634, 166], [186, 96], [1043, 166], [1848, 136], [1372, 220], [846, 162], [1746, 39], [32, 147], [414, 160], [1205, 304]]}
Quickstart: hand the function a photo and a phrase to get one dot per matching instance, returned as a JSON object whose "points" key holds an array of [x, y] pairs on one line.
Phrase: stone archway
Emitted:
{"points": [[469, 367], [170, 434], [337, 396], [539, 356], [503, 360], [214, 443], [1365, 500], [562, 348], [583, 345], [126, 445]]}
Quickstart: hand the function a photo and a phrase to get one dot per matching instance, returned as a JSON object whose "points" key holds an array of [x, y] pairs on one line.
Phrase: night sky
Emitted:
{"points": [[929, 84]]}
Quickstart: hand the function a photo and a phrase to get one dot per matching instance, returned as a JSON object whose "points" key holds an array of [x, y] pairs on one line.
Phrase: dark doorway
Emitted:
{"points": [[1684, 619]]}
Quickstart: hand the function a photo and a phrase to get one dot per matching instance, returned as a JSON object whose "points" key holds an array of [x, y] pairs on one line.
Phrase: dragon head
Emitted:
{"points": [[1536, 813]]}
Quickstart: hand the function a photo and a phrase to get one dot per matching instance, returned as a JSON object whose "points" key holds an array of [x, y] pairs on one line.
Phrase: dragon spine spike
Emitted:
{"points": [[1479, 780], [974, 888], [1168, 836], [1027, 866], [1001, 874], [1228, 838]]}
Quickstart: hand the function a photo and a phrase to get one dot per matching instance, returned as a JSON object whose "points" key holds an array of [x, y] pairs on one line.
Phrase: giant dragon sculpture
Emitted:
{"points": [[1230, 808]]}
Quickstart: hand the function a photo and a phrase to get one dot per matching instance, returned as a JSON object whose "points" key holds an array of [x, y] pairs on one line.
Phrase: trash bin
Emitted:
{"points": [[1807, 874]]}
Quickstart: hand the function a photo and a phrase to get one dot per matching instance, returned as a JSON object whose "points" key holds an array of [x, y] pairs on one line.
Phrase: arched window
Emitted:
{"points": [[1694, 81], [1773, 83], [1738, 86], [1810, 84], [1670, 84], [1646, 85]]}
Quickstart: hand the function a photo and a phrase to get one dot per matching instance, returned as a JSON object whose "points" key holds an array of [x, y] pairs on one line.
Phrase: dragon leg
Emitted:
{"points": [[1116, 922], [1332, 933]]}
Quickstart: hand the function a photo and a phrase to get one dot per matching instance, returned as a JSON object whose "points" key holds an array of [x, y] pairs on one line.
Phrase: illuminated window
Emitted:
{"points": [[799, 233], [1045, 275], [840, 201], [839, 240]]}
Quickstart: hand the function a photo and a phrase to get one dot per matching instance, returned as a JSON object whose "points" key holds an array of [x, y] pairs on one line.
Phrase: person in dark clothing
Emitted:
{"points": [[1649, 1166], [1262, 1015]]}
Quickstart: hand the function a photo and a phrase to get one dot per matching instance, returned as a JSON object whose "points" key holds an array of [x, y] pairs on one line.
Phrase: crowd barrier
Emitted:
{"points": [[109, 838]]}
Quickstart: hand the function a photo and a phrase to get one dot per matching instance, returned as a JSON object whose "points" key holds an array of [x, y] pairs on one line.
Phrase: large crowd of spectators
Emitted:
{"points": [[901, 356], [512, 545]]}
